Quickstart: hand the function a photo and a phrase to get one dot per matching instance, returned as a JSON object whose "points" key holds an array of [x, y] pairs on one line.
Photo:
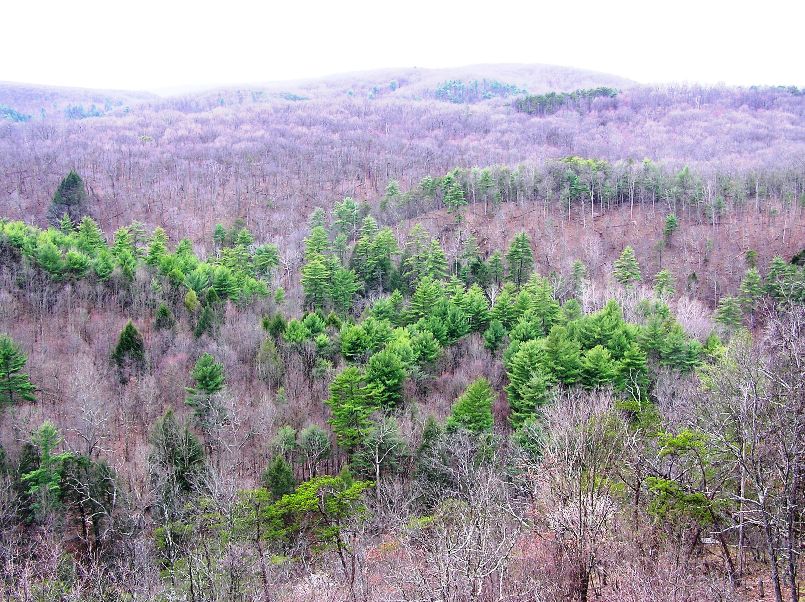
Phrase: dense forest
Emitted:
{"points": [[528, 335]]}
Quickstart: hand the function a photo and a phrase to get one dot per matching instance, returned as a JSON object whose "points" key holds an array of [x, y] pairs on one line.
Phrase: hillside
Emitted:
{"points": [[501, 332]]}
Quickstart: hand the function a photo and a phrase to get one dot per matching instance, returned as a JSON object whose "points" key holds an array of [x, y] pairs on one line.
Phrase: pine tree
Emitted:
{"points": [[15, 386], [278, 478], [632, 373], [728, 313], [317, 243], [627, 270], [564, 356], [157, 248], [494, 335], [164, 319], [751, 291], [453, 196], [129, 354], [520, 258], [89, 237], [425, 347], [597, 367], [385, 373], [206, 321], [343, 288], [44, 482], [351, 403], [664, 287], [70, 199], [346, 217], [208, 379], [473, 410], [176, 456], [671, 225], [316, 280], [528, 381]]}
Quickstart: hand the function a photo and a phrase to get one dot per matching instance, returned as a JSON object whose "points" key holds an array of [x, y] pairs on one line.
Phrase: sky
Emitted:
{"points": [[173, 44]]}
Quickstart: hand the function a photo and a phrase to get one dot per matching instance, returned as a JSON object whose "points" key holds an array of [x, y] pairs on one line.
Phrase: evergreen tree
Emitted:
{"points": [[751, 291], [15, 386], [351, 403], [208, 379], [520, 258], [597, 367], [317, 243], [671, 225], [664, 287], [728, 313], [343, 288], [453, 196], [316, 283], [632, 373], [89, 238], [206, 321], [164, 319], [129, 353], [473, 410], [347, 217], [528, 381], [278, 478], [494, 335], [385, 373], [69, 199], [44, 482], [425, 347], [564, 356], [627, 270], [157, 248]]}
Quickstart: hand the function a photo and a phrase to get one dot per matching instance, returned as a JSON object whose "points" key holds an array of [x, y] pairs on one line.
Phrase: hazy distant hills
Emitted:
{"points": [[468, 84]]}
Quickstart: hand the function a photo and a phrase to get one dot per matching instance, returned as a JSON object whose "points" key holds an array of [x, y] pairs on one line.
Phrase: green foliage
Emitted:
{"points": [[473, 410], [15, 386], [627, 270], [208, 379], [551, 102], [69, 199], [751, 290], [520, 258], [44, 482], [129, 353], [385, 374], [177, 457], [529, 381], [728, 313], [494, 336], [164, 319], [664, 287], [351, 403], [670, 226], [278, 478]]}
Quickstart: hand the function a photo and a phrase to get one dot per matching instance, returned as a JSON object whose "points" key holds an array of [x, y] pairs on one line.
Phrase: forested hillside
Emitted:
{"points": [[498, 333]]}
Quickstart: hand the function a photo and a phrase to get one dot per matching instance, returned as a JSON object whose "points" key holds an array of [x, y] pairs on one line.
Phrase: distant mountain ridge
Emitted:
{"points": [[413, 83]]}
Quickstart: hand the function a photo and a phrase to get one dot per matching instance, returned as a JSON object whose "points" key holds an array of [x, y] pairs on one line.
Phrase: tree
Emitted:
{"points": [[671, 225], [627, 270], [529, 381], [751, 292], [385, 373], [316, 281], [494, 335], [728, 313], [129, 354], [664, 285], [44, 482], [520, 258], [343, 287], [453, 196], [351, 403], [208, 379], [473, 410], [314, 446], [69, 199], [177, 457], [278, 478], [15, 386], [381, 451], [597, 367], [164, 319]]}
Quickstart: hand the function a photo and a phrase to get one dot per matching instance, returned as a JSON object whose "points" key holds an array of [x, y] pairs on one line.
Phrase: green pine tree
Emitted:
{"points": [[129, 353], [278, 478], [520, 259], [473, 410], [69, 199], [627, 270], [15, 386]]}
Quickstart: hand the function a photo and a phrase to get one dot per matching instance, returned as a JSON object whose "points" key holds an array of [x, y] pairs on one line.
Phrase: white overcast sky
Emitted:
{"points": [[146, 44]]}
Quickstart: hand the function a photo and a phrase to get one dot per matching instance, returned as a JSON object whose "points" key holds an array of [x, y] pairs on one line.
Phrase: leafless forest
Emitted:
{"points": [[504, 333]]}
